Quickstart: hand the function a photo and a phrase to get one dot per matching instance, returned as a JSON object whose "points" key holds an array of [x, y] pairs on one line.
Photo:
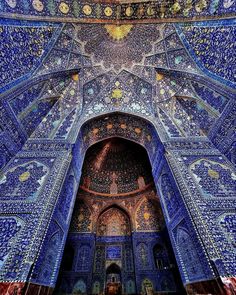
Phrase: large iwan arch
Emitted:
{"points": [[124, 107]]}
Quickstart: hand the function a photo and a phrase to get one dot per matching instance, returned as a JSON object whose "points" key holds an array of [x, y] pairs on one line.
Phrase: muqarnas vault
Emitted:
{"points": [[117, 150]]}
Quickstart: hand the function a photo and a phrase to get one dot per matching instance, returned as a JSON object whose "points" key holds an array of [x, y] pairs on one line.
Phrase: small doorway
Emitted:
{"points": [[113, 280]]}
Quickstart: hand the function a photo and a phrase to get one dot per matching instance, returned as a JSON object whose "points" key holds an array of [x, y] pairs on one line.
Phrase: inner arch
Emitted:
{"points": [[116, 223]]}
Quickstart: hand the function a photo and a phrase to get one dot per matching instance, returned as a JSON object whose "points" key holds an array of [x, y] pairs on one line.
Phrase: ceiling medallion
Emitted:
{"points": [[118, 32]]}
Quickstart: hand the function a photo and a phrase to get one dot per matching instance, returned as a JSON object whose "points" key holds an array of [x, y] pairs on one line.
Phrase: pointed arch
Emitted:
{"points": [[188, 254], [122, 125], [113, 221]]}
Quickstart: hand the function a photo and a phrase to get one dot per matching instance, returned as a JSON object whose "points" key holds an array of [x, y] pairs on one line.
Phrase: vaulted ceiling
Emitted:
{"points": [[179, 75], [115, 167]]}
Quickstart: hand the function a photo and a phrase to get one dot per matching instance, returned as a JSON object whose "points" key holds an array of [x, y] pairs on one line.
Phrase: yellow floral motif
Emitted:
{"points": [[150, 11], [38, 5], [64, 7], [117, 33], [188, 7], [117, 93], [162, 91], [129, 11], [213, 174], [75, 77], [146, 215], [80, 217], [108, 11], [175, 8], [200, 5], [159, 77], [24, 176], [162, 10], [87, 9]]}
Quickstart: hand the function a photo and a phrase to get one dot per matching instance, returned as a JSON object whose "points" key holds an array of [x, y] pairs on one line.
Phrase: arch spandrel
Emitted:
{"points": [[148, 216], [82, 220]]}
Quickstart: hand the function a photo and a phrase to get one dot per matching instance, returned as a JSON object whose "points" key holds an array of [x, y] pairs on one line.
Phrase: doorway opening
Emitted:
{"points": [[113, 280], [118, 235]]}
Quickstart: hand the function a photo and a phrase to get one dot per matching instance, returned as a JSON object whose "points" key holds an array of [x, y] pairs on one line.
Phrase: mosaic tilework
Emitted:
{"points": [[19, 103], [193, 117], [12, 138], [190, 258], [228, 225], [14, 38], [168, 124], [148, 217], [143, 258], [115, 56], [131, 90], [23, 181], [223, 133], [81, 219], [54, 125], [201, 186], [80, 244], [215, 179], [122, 126], [113, 222], [151, 263], [214, 99], [23, 110], [80, 287], [32, 105], [186, 116], [26, 177], [102, 11], [99, 258], [65, 197], [84, 257], [123, 91], [9, 228], [113, 167], [65, 126], [169, 194], [41, 108], [5, 155], [184, 108], [208, 53], [43, 270], [231, 152], [128, 256]]}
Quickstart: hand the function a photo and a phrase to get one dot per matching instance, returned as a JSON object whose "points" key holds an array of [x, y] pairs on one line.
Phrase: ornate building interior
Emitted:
{"points": [[117, 217], [117, 147]]}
